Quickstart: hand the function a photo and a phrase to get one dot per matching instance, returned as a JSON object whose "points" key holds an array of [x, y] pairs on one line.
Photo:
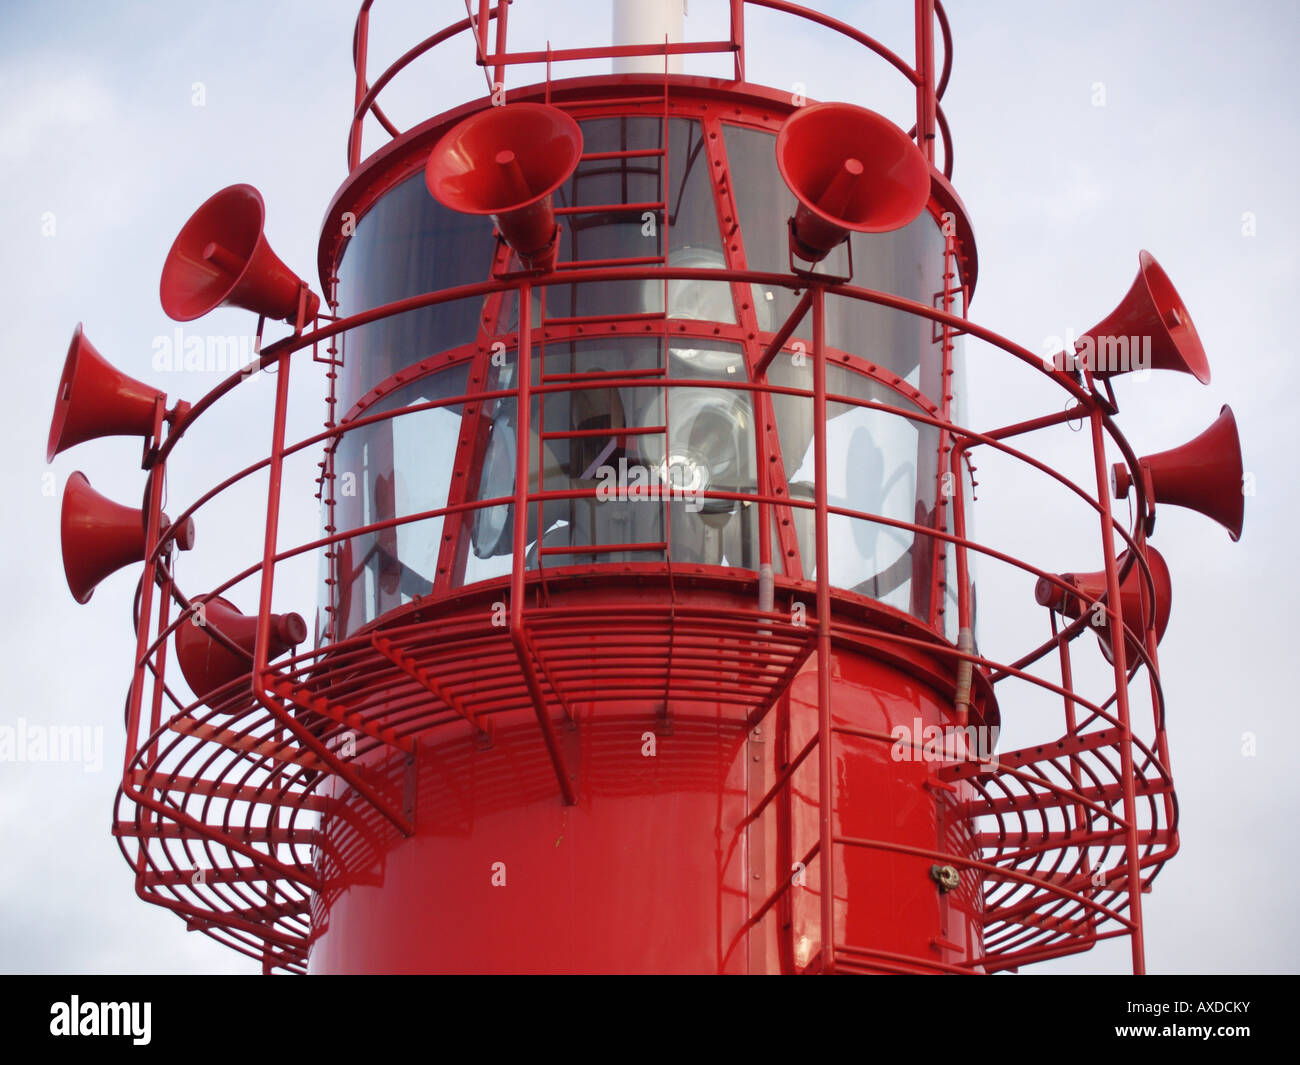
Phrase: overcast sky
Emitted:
{"points": [[1083, 131]]}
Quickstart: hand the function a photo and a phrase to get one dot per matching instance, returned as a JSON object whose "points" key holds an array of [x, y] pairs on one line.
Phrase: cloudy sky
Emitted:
{"points": [[1084, 132]]}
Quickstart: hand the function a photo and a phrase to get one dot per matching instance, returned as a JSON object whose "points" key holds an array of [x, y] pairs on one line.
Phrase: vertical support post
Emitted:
{"points": [[499, 72], [481, 26], [937, 549], [153, 524], [1119, 653], [523, 431], [261, 645], [1153, 674], [360, 63], [925, 99], [965, 611], [275, 470], [738, 36], [1081, 813], [160, 656], [825, 762]]}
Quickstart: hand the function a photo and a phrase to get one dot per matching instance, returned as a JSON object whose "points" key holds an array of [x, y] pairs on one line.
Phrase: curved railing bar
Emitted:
{"points": [[568, 387], [368, 103], [945, 31], [295, 343], [913, 415], [367, 93], [189, 745]]}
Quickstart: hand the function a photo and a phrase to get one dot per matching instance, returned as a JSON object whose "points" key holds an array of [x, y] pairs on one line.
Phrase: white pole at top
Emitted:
{"points": [[648, 22]]}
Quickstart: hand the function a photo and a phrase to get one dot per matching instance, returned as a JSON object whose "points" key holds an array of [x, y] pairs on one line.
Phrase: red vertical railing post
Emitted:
{"points": [[261, 671], [481, 27], [160, 656], [359, 62], [925, 99], [1082, 816], [738, 36], [825, 798], [135, 700], [965, 607], [937, 549], [144, 624], [275, 471], [518, 562], [499, 71], [1118, 640], [1153, 684]]}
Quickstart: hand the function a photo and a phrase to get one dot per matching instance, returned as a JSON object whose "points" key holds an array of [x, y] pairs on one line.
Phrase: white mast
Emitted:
{"points": [[648, 22]]}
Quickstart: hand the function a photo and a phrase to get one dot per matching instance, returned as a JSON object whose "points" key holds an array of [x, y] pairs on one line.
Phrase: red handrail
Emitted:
{"points": [[930, 120]]}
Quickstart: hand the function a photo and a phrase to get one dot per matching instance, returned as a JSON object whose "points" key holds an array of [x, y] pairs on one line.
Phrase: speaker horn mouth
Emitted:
{"points": [[199, 272], [507, 162], [504, 159], [96, 399], [1175, 317], [63, 400], [851, 170]]}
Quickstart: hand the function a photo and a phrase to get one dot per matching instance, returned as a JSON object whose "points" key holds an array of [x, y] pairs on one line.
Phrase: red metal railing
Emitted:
{"points": [[493, 54], [219, 800]]}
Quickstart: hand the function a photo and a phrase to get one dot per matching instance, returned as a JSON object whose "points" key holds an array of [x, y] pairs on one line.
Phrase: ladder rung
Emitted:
{"points": [[597, 375], [600, 549], [631, 153], [595, 264], [640, 430], [610, 208], [620, 100], [603, 319]]}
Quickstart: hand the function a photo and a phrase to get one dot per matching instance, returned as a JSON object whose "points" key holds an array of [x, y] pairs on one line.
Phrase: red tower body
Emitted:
{"points": [[646, 639]]}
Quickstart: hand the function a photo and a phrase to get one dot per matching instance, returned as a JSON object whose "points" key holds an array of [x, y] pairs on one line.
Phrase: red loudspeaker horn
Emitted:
{"points": [[1203, 475], [221, 258], [506, 162], [100, 536], [851, 170], [207, 664], [1091, 586], [96, 399], [1152, 313]]}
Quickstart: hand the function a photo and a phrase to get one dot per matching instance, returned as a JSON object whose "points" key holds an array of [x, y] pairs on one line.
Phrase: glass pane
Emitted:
{"points": [[615, 233], [633, 457], [764, 204], [710, 448], [694, 236], [878, 462], [906, 262], [594, 437], [390, 469], [405, 245], [409, 243], [372, 353], [487, 538]]}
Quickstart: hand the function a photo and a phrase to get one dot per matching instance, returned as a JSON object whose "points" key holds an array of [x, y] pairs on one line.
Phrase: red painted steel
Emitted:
{"points": [[471, 170], [221, 258], [1203, 474], [216, 646], [96, 399], [823, 152], [99, 537], [609, 766]]}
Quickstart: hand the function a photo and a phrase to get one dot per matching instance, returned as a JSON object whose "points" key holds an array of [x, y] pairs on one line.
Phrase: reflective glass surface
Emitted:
{"points": [[907, 262], [878, 462], [645, 437], [388, 469]]}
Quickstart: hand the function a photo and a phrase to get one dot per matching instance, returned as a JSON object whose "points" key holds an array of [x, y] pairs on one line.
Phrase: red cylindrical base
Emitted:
{"points": [[660, 867]]}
